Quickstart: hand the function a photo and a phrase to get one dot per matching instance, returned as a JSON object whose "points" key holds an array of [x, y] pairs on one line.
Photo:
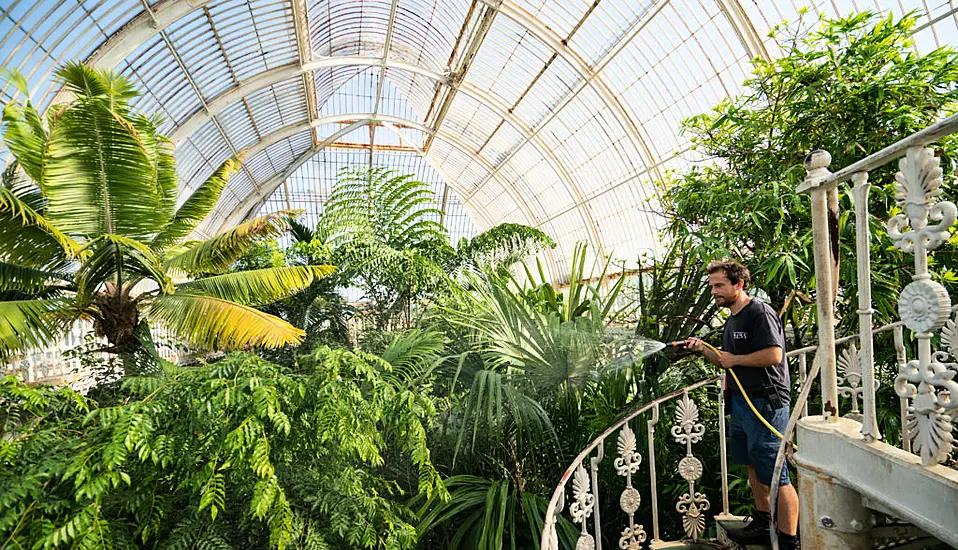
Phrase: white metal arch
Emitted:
{"points": [[253, 202], [155, 19], [360, 119], [279, 74], [274, 76]]}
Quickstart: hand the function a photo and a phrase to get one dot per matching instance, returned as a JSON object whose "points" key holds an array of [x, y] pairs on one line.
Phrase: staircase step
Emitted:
{"points": [[685, 545]]}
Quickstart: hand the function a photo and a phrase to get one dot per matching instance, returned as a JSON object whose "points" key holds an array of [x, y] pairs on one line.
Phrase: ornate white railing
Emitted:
{"points": [[687, 430], [58, 366], [924, 383], [582, 473]]}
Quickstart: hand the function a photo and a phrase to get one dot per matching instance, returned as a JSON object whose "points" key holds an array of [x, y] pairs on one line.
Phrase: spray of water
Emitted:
{"points": [[622, 348]]}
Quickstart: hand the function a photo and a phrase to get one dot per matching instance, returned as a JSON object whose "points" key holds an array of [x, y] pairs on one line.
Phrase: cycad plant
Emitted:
{"points": [[89, 228]]}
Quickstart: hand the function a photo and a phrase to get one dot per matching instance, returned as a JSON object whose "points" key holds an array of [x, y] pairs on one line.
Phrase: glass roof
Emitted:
{"points": [[559, 114]]}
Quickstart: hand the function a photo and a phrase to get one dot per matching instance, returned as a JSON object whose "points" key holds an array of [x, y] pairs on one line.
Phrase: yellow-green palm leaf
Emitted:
{"points": [[28, 238], [217, 254], [197, 207], [258, 286], [105, 169], [31, 324], [214, 323]]}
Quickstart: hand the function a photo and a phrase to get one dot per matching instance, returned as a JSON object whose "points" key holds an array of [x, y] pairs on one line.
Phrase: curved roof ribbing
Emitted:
{"points": [[554, 113]]}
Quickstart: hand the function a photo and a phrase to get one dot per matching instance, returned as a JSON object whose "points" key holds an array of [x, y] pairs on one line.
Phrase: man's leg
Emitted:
{"points": [[787, 515], [760, 491], [787, 509]]}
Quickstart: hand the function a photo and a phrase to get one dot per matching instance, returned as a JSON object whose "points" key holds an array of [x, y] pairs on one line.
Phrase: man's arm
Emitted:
{"points": [[762, 358], [696, 345]]}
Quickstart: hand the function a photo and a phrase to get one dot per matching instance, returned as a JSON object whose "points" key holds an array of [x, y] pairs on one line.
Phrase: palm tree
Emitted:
{"points": [[89, 228]]}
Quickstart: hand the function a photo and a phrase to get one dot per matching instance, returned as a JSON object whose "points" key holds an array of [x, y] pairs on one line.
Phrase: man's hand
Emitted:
{"points": [[695, 344], [724, 359]]}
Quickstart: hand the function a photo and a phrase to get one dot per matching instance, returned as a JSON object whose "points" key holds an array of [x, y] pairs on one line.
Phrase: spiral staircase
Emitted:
{"points": [[856, 491]]}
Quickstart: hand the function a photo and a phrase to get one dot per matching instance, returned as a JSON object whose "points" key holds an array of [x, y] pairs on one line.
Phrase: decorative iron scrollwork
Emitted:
{"points": [[850, 369], [582, 506], [924, 306], [687, 430], [626, 464]]}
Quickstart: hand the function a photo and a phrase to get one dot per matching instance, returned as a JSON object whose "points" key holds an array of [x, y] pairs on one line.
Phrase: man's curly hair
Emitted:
{"points": [[733, 270]]}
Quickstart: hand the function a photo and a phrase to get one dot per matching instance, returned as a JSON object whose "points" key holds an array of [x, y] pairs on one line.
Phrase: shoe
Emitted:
{"points": [[788, 542], [755, 532]]}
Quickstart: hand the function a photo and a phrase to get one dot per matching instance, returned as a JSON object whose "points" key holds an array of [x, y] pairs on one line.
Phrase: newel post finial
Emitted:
{"points": [[816, 168]]}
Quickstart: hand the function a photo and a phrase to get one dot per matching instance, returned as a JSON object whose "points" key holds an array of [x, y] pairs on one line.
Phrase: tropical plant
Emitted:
{"points": [[89, 228], [499, 248], [237, 454], [850, 86], [519, 404], [385, 237], [319, 309]]}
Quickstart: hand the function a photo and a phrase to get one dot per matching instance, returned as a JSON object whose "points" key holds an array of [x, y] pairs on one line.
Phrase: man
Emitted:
{"points": [[754, 345]]}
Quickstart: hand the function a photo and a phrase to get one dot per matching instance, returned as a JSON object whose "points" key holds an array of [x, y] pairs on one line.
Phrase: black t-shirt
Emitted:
{"points": [[752, 329]]}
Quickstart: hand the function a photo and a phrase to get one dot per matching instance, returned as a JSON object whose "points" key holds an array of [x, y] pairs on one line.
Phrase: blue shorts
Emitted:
{"points": [[750, 442]]}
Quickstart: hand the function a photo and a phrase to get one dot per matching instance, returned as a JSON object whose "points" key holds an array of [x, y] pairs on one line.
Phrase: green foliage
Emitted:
{"points": [[849, 86], [525, 390], [500, 247], [236, 454], [380, 227], [88, 213]]}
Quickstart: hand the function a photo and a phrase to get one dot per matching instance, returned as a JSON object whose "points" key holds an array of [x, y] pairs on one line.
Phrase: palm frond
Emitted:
{"points": [[100, 175], [14, 277], [214, 323], [218, 253], [115, 257], [26, 137], [504, 245], [19, 183], [28, 238], [299, 231], [258, 286], [88, 82], [496, 409], [413, 354], [32, 324], [197, 206]]}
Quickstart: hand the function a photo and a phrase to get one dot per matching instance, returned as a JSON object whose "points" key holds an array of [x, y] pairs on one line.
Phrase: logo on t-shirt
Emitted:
{"points": [[740, 336]]}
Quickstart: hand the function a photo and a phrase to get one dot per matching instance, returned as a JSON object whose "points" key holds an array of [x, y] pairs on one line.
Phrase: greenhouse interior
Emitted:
{"points": [[478, 274]]}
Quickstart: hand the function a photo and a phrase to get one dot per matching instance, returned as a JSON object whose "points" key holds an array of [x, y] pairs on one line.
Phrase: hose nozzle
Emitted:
{"points": [[679, 343]]}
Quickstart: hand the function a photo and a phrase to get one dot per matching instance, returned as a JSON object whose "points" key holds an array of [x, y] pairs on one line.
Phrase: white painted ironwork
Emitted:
{"points": [[582, 507], [626, 464], [584, 501], [864, 367], [817, 184], [924, 304], [687, 431], [722, 444], [850, 372], [61, 363], [652, 476]]}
